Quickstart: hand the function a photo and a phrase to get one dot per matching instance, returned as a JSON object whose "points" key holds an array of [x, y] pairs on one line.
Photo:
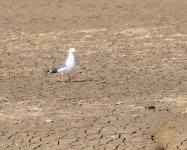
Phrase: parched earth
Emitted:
{"points": [[129, 91]]}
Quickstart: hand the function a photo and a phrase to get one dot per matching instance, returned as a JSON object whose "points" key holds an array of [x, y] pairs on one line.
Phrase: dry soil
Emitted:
{"points": [[129, 91]]}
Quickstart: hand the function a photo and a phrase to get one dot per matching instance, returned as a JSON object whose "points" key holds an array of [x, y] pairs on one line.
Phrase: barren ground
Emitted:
{"points": [[129, 91]]}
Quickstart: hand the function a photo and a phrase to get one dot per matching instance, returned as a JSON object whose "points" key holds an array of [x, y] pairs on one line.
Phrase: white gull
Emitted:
{"points": [[66, 67]]}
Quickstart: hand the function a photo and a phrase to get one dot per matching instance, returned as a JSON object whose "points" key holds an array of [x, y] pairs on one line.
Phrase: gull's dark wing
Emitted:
{"points": [[57, 67]]}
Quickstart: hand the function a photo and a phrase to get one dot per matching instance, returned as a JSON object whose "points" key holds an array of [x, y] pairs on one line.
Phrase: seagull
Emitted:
{"points": [[65, 67]]}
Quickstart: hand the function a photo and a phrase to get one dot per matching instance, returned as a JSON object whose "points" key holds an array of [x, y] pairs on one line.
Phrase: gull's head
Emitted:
{"points": [[72, 50]]}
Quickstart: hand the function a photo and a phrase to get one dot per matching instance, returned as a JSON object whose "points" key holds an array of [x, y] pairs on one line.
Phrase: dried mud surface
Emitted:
{"points": [[129, 91]]}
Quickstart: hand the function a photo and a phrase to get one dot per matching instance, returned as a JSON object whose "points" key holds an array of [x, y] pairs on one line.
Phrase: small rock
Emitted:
{"points": [[150, 107]]}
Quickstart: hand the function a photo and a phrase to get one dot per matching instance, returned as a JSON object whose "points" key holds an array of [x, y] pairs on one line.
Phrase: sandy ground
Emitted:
{"points": [[129, 91]]}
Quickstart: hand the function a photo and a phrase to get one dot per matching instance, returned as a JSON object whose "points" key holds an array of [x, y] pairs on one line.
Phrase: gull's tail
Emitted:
{"points": [[52, 70]]}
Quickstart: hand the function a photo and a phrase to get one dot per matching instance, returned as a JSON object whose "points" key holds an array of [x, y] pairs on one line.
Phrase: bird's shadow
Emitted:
{"points": [[84, 80]]}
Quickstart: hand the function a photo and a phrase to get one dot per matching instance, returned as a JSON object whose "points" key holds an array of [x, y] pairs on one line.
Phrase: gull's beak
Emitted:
{"points": [[76, 50]]}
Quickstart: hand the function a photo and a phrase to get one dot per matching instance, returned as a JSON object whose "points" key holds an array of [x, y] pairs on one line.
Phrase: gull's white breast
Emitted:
{"points": [[69, 65], [70, 61]]}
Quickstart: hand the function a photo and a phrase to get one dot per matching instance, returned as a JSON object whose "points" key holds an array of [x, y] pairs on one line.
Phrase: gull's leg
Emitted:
{"points": [[69, 77], [61, 77]]}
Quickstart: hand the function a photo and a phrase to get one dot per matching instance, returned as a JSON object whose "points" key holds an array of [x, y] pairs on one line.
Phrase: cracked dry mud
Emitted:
{"points": [[128, 92]]}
